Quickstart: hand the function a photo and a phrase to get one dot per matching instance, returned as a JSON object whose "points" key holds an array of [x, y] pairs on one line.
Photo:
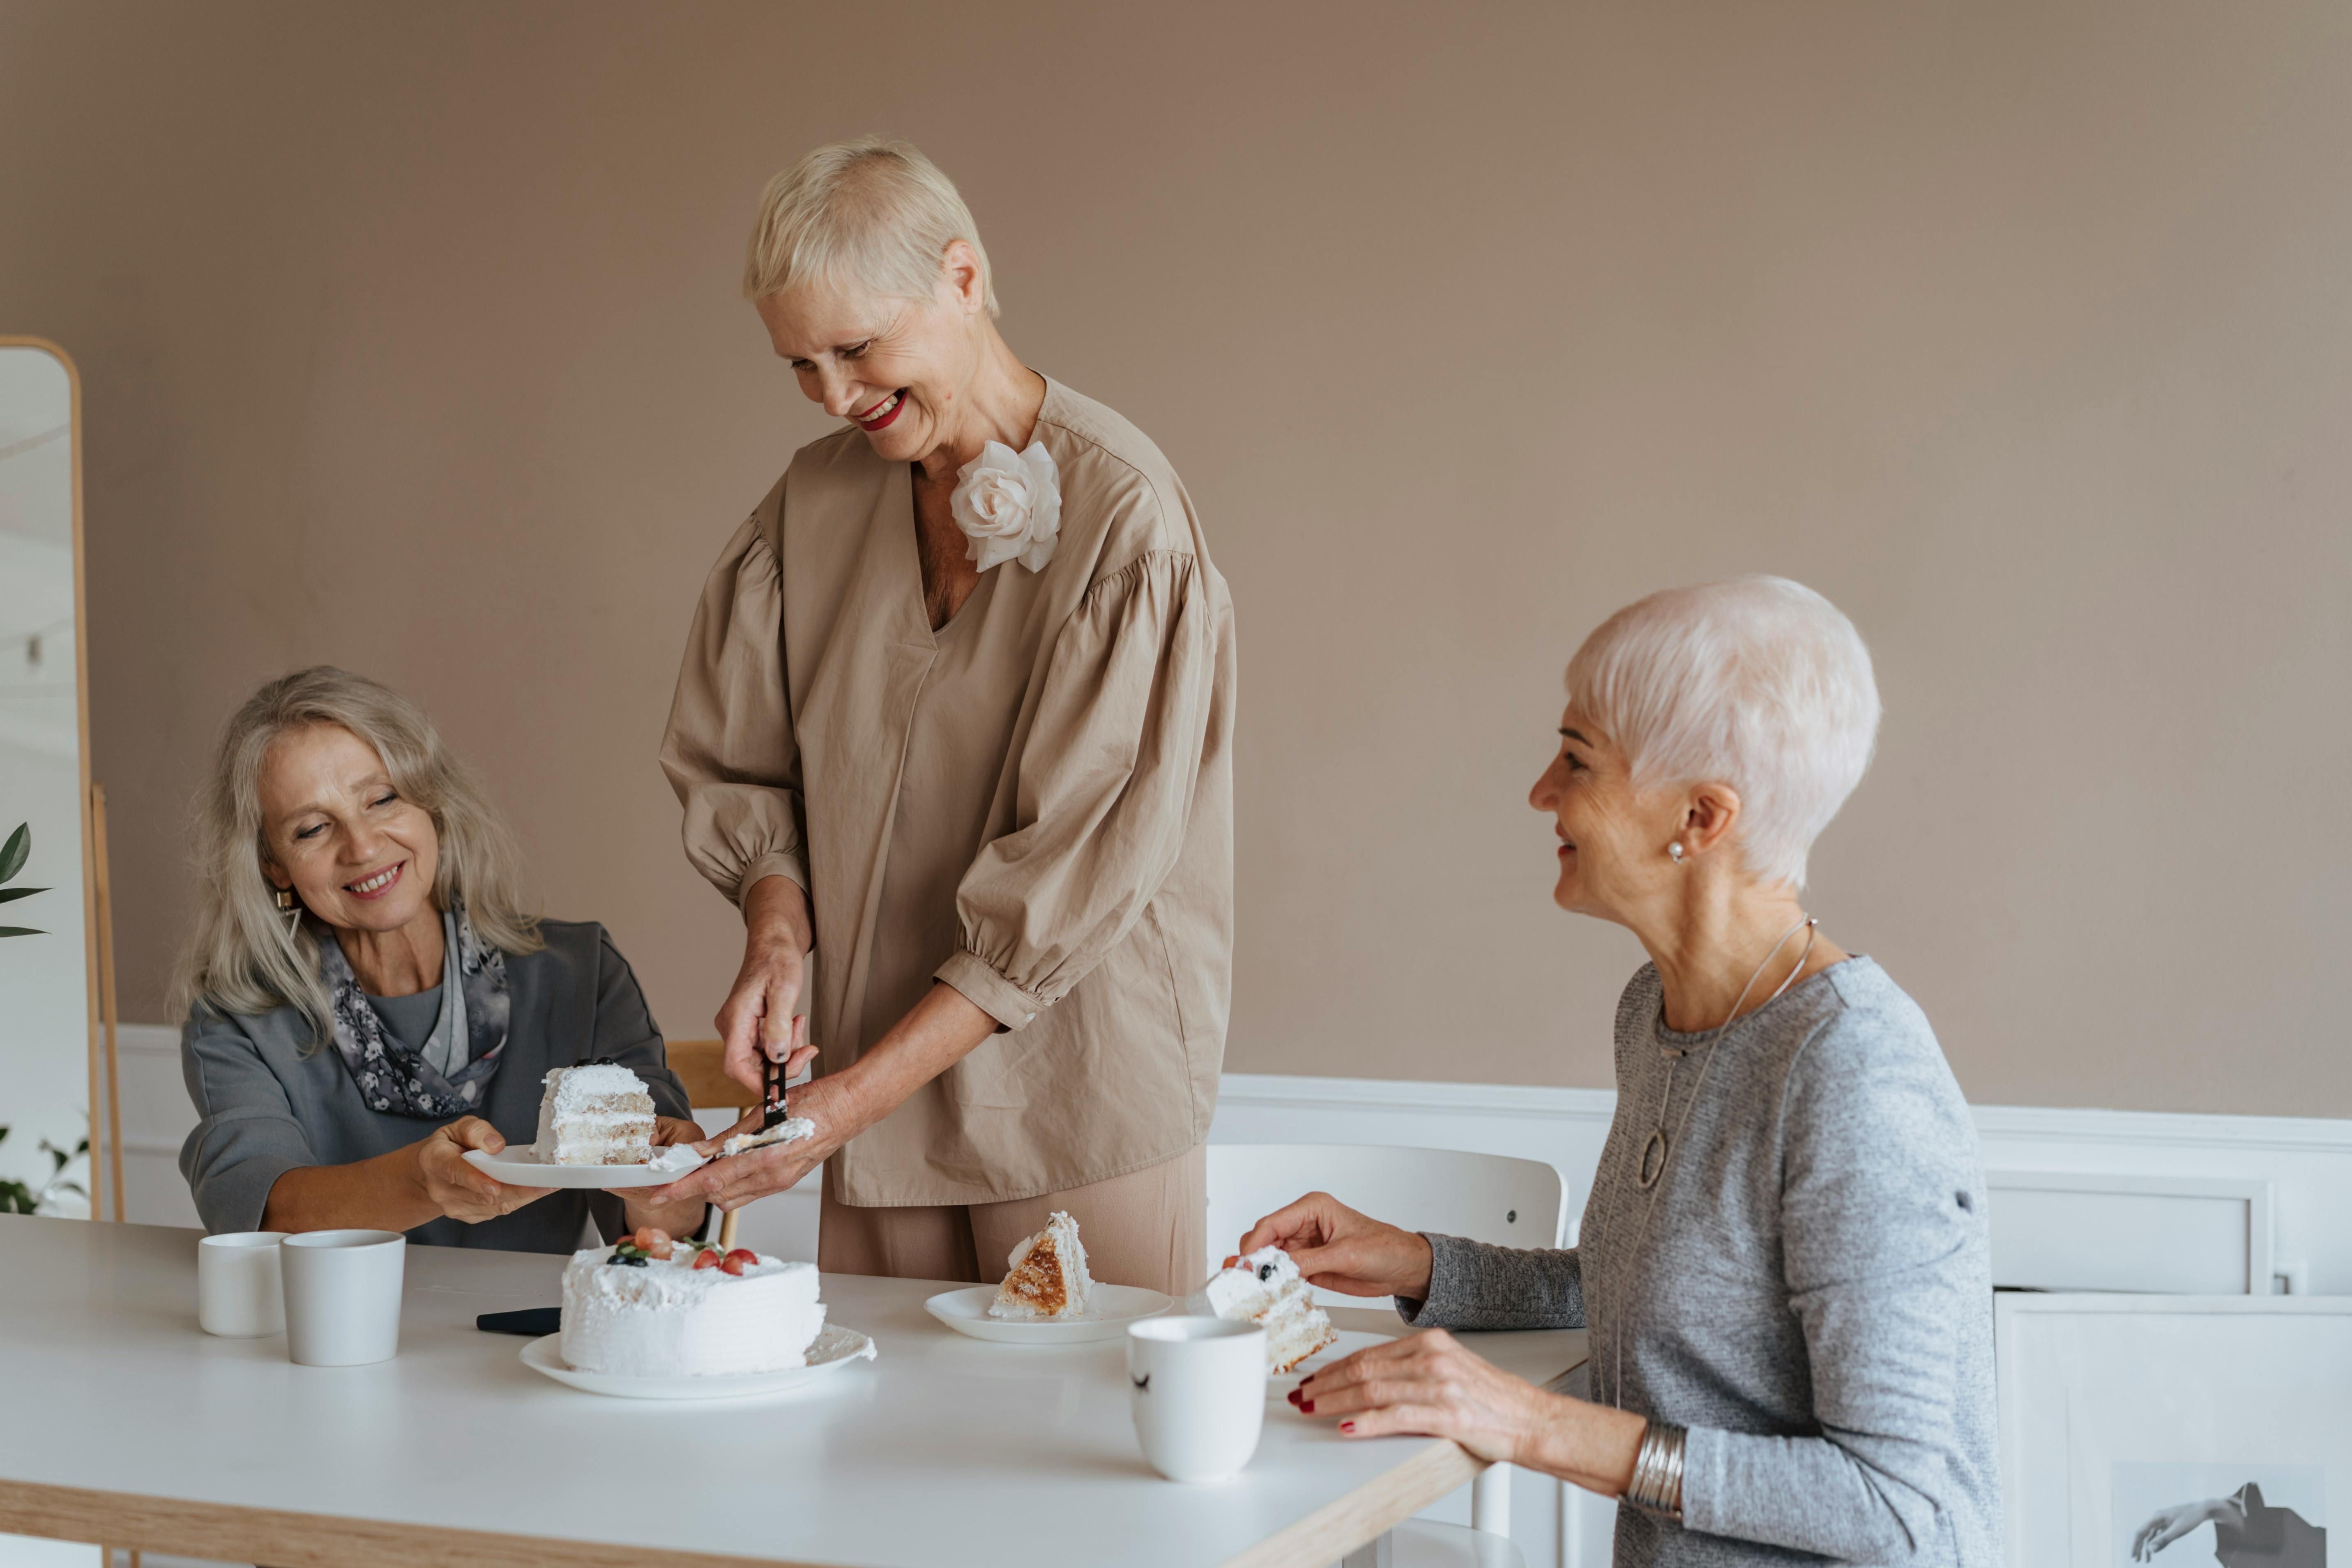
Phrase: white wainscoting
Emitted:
{"points": [[2100, 1199]]}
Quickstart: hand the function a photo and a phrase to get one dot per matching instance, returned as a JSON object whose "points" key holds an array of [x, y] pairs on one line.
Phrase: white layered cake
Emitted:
{"points": [[596, 1115], [1046, 1275], [1267, 1288], [628, 1312]]}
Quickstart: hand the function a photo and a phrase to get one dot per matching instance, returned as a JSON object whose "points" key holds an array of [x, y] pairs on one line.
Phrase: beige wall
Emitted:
{"points": [[411, 342]]}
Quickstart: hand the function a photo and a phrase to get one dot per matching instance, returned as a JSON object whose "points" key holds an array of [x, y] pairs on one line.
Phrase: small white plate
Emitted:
{"points": [[1114, 1307], [835, 1347], [519, 1166]]}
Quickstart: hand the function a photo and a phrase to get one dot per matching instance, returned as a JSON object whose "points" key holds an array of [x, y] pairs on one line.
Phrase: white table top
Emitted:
{"points": [[944, 1449]]}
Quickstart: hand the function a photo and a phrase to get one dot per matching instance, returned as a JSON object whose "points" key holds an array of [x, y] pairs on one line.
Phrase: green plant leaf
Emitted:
{"points": [[14, 853], [8, 893], [21, 931]]}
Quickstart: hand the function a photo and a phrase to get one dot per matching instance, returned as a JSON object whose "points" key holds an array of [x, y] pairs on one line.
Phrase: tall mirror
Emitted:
{"points": [[51, 1055]]}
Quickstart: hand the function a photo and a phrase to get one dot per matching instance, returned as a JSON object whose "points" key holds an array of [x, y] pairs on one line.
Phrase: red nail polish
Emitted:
{"points": [[1347, 1426], [1308, 1406], [1294, 1396]]}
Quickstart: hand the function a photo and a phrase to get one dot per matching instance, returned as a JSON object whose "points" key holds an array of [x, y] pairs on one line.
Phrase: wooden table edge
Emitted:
{"points": [[130, 1520], [1380, 1505]]}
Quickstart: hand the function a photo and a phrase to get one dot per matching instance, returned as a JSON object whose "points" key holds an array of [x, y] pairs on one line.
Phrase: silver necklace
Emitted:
{"points": [[1657, 1151]]}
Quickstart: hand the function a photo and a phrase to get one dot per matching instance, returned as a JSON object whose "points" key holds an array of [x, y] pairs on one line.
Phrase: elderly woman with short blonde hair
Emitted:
{"points": [[1783, 1261], [368, 998], [957, 712]]}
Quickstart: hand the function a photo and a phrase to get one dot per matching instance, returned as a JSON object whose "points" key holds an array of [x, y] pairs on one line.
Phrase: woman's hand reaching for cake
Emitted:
{"points": [[1339, 1249], [736, 1179]]}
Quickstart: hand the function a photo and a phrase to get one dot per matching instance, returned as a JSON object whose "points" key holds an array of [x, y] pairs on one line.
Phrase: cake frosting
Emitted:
{"points": [[791, 1130], [1046, 1275], [629, 1312], [596, 1115], [1267, 1288]]}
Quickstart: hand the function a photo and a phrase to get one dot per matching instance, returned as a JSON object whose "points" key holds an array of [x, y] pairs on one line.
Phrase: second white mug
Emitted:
{"points": [[1198, 1395], [239, 1292], [342, 1296]]}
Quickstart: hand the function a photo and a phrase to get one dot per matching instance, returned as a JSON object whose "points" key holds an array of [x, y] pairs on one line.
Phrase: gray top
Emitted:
{"points": [[410, 1020], [268, 1105], [1812, 1298]]}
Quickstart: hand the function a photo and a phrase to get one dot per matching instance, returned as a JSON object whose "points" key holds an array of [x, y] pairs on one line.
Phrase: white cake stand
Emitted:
{"points": [[835, 1347]]}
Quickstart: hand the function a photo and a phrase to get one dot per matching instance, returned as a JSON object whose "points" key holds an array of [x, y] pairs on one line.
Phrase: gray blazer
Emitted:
{"points": [[267, 1104], [1812, 1297]]}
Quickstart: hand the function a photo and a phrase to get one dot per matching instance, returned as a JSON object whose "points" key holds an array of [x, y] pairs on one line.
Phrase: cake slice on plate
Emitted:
{"points": [[601, 1114], [1267, 1288], [1046, 1275]]}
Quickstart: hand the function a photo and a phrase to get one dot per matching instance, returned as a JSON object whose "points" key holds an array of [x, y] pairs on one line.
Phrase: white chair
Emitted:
{"points": [[1487, 1198]]}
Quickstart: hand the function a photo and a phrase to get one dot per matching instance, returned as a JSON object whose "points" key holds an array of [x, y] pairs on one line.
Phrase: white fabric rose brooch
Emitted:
{"points": [[1009, 504]]}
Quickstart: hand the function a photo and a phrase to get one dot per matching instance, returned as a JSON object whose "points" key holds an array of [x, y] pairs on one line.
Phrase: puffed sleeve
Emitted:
{"points": [[730, 750], [1884, 1259], [1105, 789], [246, 1133]]}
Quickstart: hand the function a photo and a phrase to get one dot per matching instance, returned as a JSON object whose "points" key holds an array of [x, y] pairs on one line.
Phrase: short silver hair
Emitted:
{"points": [[240, 957], [1758, 682], [873, 212]]}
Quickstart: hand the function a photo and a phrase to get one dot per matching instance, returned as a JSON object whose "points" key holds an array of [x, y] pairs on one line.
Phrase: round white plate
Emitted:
{"points": [[518, 1166], [835, 1347], [1114, 1307]]}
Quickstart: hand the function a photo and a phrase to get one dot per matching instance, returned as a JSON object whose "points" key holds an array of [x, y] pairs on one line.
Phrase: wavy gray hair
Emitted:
{"points": [[241, 958]]}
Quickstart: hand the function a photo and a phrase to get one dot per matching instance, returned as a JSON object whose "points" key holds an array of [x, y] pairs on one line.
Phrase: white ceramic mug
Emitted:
{"points": [[342, 1296], [1197, 1389], [238, 1292]]}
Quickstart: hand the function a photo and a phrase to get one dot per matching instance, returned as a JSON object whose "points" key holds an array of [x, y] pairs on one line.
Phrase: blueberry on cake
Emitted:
{"points": [[1046, 1275], [1267, 1288], [596, 1115]]}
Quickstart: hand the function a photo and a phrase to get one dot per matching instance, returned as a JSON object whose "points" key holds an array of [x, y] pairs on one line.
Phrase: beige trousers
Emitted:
{"points": [[1148, 1227]]}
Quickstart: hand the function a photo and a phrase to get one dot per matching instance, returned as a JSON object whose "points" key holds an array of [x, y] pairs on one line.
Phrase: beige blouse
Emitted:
{"points": [[1033, 804]]}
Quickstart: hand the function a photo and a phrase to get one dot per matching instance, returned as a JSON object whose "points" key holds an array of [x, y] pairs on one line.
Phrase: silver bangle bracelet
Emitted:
{"points": [[1656, 1487]]}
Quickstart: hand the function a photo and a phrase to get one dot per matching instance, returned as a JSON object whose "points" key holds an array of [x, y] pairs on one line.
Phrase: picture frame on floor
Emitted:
{"points": [[2173, 1430]]}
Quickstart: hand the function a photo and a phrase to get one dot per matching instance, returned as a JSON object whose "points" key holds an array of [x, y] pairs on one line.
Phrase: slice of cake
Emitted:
{"points": [[595, 1115], [648, 1306], [1046, 1275], [1266, 1288]]}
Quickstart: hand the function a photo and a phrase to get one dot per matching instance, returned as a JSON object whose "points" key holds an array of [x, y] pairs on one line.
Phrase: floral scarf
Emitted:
{"points": [[471, 1034]]}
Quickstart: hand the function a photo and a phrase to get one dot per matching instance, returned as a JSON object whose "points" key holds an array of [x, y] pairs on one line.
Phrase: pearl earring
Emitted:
{"points": [[1674, 851]]}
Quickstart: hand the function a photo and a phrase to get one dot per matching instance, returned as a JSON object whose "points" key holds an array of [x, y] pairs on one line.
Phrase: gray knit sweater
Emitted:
{"points": [[1811, 1297]]}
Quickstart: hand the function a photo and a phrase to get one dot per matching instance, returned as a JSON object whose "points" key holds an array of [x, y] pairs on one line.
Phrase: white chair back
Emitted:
{"points": [[1487, 1198]]}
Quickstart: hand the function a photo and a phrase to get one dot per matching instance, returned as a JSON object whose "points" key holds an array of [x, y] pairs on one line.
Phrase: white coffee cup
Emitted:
{"points": [[238, 1292], [1198, 1395], [342, 1296]]}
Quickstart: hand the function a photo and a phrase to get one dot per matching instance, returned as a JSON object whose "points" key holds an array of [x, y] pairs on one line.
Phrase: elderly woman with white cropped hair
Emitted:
{"points": [[1784, 1262], [957, 712]]}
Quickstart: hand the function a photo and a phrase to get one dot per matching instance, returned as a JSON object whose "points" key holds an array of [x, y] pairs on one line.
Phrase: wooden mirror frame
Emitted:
{"points": [[97, 913]]}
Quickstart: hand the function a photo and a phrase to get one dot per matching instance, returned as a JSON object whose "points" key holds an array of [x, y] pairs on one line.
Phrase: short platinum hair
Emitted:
{"points": [[240, 956], [1756, 682], [872, 212]]}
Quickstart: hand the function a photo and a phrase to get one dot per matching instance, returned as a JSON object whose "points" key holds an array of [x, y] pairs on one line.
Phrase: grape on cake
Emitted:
{"points": [[595, 1115], [1046, 1275], [1267, 1288], [651, 1307]]}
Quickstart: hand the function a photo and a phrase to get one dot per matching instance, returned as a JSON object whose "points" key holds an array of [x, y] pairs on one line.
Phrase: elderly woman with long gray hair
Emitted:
{"points": [[1784, 1262], [368, 997]]}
